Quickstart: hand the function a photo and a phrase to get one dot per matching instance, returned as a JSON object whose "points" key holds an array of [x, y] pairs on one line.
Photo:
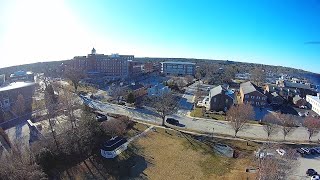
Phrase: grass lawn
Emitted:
{"points": [[198, 112], [168, 154], [177, 156]]}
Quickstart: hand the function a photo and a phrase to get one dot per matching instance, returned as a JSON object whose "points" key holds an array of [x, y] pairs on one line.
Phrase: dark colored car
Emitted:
{"points": [[172, 121], [311, 172], [313, 151], [301, 152], [101, 117]]}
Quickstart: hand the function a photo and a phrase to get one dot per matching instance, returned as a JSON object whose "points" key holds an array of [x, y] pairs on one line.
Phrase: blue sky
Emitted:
{"points": [[261, 31]]}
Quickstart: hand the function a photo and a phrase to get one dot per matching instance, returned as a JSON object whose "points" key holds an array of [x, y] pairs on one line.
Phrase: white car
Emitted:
{"points": [[281, 152], [315, 177]]}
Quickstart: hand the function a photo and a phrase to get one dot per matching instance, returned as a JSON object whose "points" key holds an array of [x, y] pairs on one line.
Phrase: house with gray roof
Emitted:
{"points": [[220, 99], [251, 93]]}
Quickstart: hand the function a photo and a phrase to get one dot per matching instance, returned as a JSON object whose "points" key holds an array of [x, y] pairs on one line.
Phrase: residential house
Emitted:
{"points": [[220, 99], [286, 93], [298, 101], [250, 93], [275, 98]]}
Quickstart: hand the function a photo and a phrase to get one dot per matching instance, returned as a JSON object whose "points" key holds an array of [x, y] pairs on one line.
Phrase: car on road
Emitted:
{"points": [[172, 121], [311, 172]]}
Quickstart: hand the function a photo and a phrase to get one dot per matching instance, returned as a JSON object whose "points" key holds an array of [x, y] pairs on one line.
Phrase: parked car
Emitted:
{"points": [[281, 152], [172, 121], [301, 152], [101, 117], [315, 177], [317, 149], [311, 172], [313, 151], [306, 150]]}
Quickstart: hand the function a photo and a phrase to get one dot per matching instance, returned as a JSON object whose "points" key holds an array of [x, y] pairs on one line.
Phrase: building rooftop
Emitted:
{"points": [[113, 143], [296, 85], [178, 62], [219, 89], [316, 98], [16, 85], [249, 87]]}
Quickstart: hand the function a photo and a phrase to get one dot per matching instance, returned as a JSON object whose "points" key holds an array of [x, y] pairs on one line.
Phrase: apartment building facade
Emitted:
{"points": [[178, 68], [114, 65], [250, 93]]}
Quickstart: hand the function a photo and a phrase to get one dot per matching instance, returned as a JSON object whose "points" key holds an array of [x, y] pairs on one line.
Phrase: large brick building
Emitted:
{"points": [[250, 93], [114, 65]]}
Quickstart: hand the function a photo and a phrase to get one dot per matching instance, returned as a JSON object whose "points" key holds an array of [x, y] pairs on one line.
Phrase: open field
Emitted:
{"points": [[178, 156], [168, 154]]}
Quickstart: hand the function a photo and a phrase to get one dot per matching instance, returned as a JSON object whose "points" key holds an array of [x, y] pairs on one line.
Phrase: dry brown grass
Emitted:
{"points": [[176, 156]]}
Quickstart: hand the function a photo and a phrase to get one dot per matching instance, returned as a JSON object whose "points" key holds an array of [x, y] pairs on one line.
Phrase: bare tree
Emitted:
{"points": [[68, 103], [275, 166], [238, 116], [179, 82], [270, 124], [164, 105], [19, 107], [115, 127], [75, 75], [51, 106], [258, 75], [287, 124], [116, 92], [313, 126], [20, 164], [189, 79]]}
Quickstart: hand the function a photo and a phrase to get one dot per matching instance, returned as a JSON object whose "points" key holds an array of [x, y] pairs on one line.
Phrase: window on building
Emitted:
{"points": [[252, 97], [246, 96]]}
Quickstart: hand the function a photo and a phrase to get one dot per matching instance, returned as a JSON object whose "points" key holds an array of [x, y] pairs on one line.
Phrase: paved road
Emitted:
{"points": [[254, 131]]}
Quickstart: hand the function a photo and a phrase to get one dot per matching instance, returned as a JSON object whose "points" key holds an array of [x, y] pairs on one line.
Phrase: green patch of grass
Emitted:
{"points": [[197, 112]]}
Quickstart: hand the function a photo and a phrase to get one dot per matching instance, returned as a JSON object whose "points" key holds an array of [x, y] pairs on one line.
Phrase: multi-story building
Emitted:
{"points": [[10, 92], [135, 68], [250, 93], [314, 103], [220, 99], [22, 76], [178, 68], [114, 65]]}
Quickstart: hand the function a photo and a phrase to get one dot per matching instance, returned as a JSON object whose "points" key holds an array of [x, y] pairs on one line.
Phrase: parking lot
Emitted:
{"points": [[306, 162]]}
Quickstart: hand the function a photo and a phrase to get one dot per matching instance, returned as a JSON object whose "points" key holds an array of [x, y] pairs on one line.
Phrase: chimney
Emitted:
{"points": [[318, 95]]}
